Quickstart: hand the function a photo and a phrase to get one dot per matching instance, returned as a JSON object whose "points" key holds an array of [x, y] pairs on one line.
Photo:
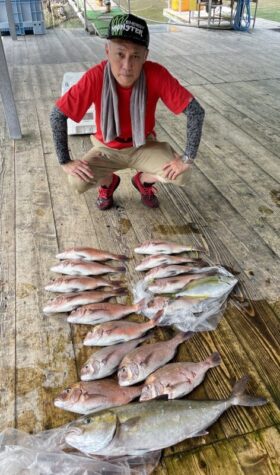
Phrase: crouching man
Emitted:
{"points": [[125, 90]]}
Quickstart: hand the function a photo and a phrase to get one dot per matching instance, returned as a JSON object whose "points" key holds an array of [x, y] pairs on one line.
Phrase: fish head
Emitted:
{"points": [[68, 397], [90, 434], [128, 374], [90, 369], [96, 333]]}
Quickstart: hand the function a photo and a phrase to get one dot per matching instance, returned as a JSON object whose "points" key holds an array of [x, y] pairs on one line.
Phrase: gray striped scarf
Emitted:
{"points": [[110, 123]]}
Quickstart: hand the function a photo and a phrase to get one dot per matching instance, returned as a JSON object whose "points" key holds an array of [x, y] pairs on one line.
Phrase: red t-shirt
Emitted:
{"points": [[88, 90]]}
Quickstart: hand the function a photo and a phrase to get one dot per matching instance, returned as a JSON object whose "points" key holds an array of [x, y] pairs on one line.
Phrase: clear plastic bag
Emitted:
{"points": [[197, 315], [44, 454]]}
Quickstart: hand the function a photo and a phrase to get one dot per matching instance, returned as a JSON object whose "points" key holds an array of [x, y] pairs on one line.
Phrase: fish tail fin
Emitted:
{"points": [[121, 291], [120, 269], [122, 257], [140, 305], [157, 317], [115, 283], [214, 359], [183, 336], [238, 398]]}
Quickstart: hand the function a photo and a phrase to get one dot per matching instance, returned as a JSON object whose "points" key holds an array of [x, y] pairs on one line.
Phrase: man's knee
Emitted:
{"points": [[79, 185]]}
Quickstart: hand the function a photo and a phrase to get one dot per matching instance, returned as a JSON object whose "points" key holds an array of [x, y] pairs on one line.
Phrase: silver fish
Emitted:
{"points": [[90, 254], [85, 268], [102, 312], [78, 284], [158, 260], [177, 379], [165, 271], [112, 333], [137, 428], [68, 302], [105, 362], [173, 284], [165, 247], [92, 396], [139, 363], [212, 286]]}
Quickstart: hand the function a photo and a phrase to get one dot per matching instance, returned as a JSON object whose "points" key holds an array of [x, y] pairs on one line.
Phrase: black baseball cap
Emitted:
{"points": [[129, 27]]}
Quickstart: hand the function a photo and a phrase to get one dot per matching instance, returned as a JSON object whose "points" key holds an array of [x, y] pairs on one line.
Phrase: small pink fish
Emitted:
{"points": [[177, 379], [85, 268], [68, 302], [176, 269], [165, 247], [79, 284], [90, 254], [139, 363], [112, 333], [172, 285], [86, 397], [101, 312], [159, 260]]}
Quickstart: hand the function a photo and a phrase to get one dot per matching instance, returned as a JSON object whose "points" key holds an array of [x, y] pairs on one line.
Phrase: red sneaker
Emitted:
{"points": [[147, 192], [105, 194]]}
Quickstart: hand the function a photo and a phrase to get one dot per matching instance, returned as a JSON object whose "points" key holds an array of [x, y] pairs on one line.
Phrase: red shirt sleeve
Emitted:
{"points": [[77, 100], [172, 93]]}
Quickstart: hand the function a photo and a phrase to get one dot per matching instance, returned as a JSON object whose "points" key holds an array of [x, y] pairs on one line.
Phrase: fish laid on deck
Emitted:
{"points": [[139, 363], [68, 302], [105, 362], [158, 260], [102, 312], [137, 428], [87, 397], [79, 284], [209, 287], [171, 285], [165, 247], [177, 379], [72, 267], [164, 271], [90, 254], [112, 333]]}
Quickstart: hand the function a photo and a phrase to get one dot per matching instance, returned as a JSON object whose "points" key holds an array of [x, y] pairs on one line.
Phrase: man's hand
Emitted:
{"points": [[80, 169], [175, 168]]}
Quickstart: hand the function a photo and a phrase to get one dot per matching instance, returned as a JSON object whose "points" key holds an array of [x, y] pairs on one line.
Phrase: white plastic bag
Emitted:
{"points": [[44, 454], [196, 315]]}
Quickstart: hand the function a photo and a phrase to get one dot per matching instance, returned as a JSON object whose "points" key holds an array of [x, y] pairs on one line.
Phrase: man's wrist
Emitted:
{"points": [[187, 160]]}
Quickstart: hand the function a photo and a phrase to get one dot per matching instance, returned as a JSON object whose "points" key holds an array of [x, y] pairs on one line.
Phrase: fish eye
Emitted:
{"points": [[86, 366], [67, 390], [88, 420]]}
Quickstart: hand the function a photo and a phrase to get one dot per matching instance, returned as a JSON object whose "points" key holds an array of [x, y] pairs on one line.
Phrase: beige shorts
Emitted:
{"points": [[149, 158]]}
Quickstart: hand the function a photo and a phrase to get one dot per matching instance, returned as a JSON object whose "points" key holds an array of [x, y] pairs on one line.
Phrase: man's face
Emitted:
{"points": [[126, 60]]}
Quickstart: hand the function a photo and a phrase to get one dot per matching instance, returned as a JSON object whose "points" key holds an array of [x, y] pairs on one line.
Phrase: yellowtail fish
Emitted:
{"points": [[158, 260], [177, 379], [105, 362], [141, 362], [137, 428], [88, 397], [79, 284], [165, 247], [112, 333], [68, 302], [209, 287], [85, 268], [102, 312], [90, 254]]}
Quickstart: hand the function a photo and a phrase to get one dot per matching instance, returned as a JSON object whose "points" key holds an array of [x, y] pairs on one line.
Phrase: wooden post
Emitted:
{"points": [[6, 93], [11, 20]]}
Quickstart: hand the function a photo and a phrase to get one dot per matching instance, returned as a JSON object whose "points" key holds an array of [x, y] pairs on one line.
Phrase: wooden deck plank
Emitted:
{"points": [[248, 455], [42, 343], [7, 284]]}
